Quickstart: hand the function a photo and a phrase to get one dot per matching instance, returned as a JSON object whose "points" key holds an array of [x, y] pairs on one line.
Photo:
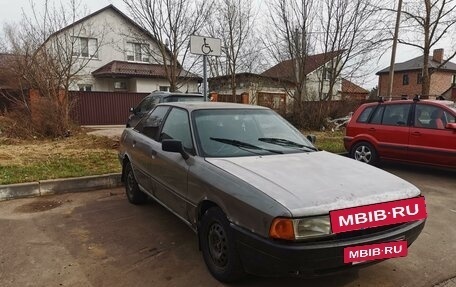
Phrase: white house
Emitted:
{"points": [[116, 54], [275, 87]]}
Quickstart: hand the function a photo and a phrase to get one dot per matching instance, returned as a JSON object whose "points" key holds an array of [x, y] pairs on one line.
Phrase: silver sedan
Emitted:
{"points": [[254, 189]]}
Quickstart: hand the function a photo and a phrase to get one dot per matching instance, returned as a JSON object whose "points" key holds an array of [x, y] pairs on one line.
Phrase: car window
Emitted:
{"points": [[378, 114], [396, 114], [432, 117], [150, 124], [245, 132], [365, 115], [449, 118], [147, 104], [177, 126], [183, 99]]}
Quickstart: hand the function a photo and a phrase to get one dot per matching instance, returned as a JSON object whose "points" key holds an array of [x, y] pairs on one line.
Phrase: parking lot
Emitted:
{"points": [[99, 239]]}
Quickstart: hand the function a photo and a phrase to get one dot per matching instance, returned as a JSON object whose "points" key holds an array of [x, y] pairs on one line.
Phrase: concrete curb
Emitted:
{"points": [[54, 186]]}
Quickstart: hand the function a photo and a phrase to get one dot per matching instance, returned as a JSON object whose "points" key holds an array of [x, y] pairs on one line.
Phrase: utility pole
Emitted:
{"points": [[393, 51]]}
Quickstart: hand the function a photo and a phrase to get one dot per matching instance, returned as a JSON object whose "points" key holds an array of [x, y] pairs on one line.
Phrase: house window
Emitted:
{"points": [[327, 73], [419, 78], [85, 88], [138, 52], [120, 85], [85, 47], [405, 79], [453, 80], [164, 88]]}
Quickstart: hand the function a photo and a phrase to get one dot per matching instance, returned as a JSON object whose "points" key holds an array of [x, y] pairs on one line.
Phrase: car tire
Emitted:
{"points": [[218, 247], [364, 152], [134, 194]]}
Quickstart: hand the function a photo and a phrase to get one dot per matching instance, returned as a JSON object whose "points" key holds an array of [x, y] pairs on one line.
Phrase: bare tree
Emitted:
{"points": [[433, 21], [50, 58], [171, 22], [232, 22], [292, 38], [351, 31]]}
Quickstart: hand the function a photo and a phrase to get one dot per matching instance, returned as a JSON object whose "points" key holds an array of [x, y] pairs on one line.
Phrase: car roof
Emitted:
{"points": [[212, 105], [446, 103]]}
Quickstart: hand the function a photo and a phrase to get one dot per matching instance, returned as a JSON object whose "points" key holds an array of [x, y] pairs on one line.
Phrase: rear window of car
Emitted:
{"points": [[183, 99], [364, 116]]}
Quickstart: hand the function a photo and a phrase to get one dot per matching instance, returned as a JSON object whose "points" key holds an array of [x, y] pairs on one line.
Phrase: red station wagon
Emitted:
{"points": [[416, 131]]}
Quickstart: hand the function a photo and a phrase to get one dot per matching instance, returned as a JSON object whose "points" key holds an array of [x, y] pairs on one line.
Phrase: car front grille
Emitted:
{"points": [[355, 234]]}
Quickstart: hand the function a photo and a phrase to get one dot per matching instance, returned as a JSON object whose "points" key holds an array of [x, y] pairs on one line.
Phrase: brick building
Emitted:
{"points": [[408, 80]]}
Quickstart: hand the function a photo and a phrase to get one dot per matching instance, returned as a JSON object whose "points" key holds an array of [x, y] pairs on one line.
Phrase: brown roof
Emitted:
{"points": [[129, 69], [284, 70], [352, 88]]}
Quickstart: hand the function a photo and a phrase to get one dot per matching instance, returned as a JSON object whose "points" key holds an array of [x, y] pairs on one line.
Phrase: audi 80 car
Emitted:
{"points": [[255, 190], [415, 131]]}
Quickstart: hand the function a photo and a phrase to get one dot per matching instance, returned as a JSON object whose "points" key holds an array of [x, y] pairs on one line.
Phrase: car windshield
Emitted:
{"points": [[246, 132], [183, 99]]}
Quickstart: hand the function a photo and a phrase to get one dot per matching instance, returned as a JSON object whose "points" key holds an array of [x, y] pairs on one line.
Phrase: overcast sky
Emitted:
{"points": [[11, 11]]}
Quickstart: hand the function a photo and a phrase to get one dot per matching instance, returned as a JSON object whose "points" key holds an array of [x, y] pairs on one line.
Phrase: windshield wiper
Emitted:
{"points": [[286, 143], [243, 145]]}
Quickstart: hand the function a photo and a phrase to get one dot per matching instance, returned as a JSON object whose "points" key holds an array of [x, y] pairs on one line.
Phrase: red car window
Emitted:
{"points": [[432, 117]]}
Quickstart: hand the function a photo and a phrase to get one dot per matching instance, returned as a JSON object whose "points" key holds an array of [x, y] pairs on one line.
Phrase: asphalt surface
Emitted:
{"points": [[99, 239]]}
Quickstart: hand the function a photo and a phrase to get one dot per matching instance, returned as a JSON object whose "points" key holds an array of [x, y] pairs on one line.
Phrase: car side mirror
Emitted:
{"points": [[311, 138], [451, 126], [132, 110], [172, 145]]}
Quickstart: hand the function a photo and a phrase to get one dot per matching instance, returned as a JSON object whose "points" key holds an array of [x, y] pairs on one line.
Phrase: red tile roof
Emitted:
{"points": [[129, 69], [285, 70], [352, 88]]}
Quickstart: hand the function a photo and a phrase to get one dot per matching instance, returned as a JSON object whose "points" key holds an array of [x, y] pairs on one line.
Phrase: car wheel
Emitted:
{"points": [[364, 152], [134, 194], [218, 247]]}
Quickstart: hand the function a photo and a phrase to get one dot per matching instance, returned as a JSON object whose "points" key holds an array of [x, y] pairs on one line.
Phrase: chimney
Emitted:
{"points": [[438, 55]]}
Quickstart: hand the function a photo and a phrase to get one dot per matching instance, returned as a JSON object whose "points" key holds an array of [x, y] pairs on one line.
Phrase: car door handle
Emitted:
{"points": [[134, 143], [154, 153], [417, 134], [372, 129]]}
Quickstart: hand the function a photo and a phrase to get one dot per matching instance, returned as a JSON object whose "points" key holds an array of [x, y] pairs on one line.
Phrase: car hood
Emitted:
{"points": [[317, 182]]}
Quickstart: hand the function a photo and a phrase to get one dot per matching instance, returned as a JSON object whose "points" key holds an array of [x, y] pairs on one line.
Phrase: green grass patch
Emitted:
{"points": [[329, 141], [57, 166], [27, 160]]}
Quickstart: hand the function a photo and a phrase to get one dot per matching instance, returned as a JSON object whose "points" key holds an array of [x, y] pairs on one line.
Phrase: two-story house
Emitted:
{"points": [[116, 54], [407, 80], [275, 87]]}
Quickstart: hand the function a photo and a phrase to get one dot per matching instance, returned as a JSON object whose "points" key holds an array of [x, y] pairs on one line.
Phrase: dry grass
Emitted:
{"points": [[81, 155], [78, 155], [329, 141]]}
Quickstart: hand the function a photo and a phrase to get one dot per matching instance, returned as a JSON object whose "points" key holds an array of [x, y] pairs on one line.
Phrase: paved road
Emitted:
{"points": [[98, 239]]}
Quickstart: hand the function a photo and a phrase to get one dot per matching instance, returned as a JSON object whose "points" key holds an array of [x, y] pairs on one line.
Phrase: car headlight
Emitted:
{"points": [[300, 228]]}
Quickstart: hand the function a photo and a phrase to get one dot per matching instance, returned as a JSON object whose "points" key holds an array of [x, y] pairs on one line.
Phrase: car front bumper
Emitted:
{"points": [[265, 257]]}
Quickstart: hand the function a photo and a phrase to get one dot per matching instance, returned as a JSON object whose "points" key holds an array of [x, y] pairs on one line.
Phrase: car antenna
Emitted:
{"points": [[416, 98], [380, 99]]}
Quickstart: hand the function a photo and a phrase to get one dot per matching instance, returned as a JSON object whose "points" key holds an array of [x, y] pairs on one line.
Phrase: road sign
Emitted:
{"points": [[205, 46]]}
